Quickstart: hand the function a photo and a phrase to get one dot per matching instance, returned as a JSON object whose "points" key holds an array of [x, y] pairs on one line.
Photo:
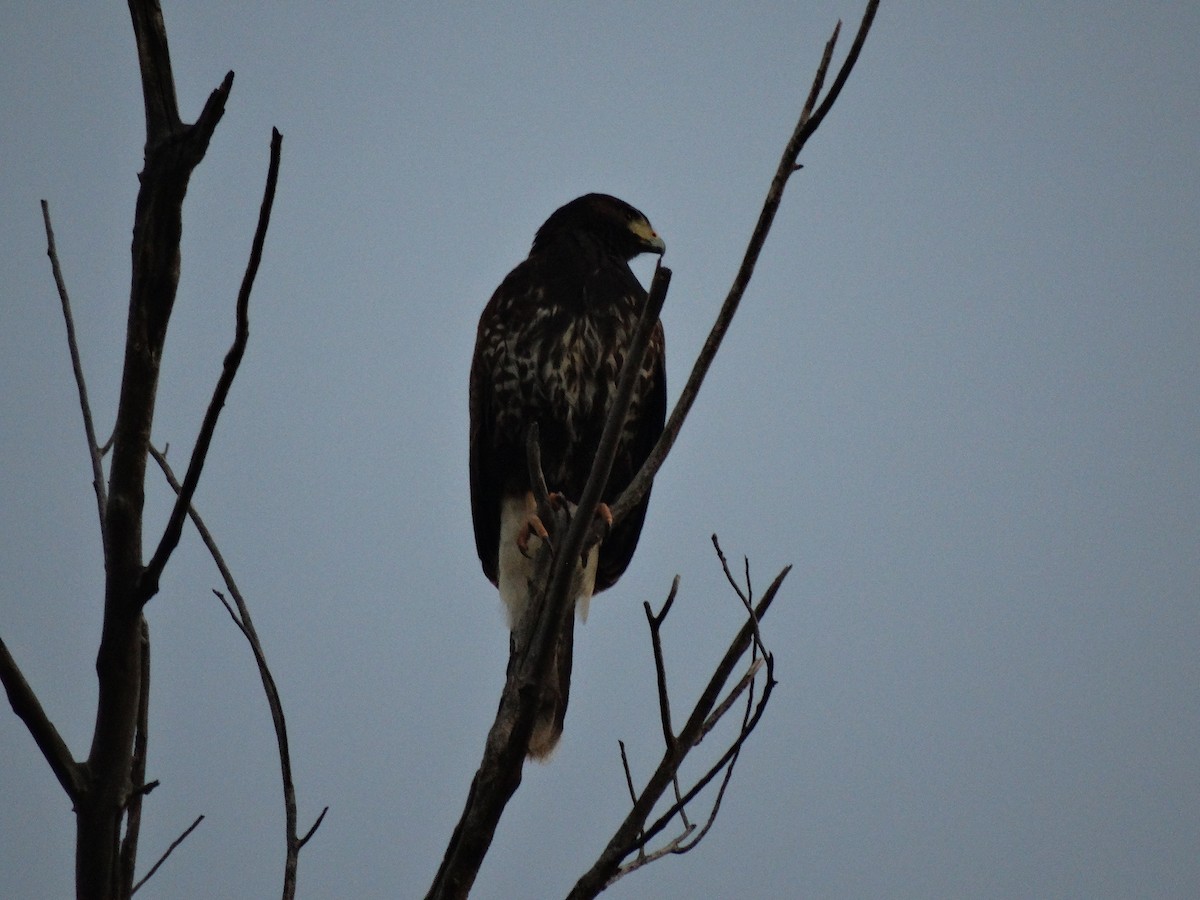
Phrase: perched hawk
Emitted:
{"points": [[549, 349]]}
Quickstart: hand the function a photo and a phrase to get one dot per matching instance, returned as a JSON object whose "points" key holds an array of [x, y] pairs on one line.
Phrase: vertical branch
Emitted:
{"points": [[133, 818], [172, 151], [77, 367], [154, 58]]}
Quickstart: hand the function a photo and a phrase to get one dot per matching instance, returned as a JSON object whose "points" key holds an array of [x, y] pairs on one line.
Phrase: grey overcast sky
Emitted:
{"points": [[961, 398]]}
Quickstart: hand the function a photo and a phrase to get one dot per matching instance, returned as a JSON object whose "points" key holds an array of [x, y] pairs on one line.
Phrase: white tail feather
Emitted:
{"points": [[515, 569]]}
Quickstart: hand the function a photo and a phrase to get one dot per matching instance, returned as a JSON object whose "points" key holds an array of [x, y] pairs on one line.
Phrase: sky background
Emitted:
{"points": [[960, 398]]}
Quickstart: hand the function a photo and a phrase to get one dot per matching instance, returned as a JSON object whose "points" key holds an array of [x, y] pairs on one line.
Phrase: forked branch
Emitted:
{"points": [[233, 359], [634, 833]]}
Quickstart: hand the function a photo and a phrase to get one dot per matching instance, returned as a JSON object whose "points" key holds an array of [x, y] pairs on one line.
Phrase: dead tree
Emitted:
{"points": [[106, 788], [534, 641]]}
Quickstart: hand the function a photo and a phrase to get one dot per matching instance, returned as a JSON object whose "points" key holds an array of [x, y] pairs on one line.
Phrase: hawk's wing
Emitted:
{"points": [[493, 468], [498, 466], [485, 480]]}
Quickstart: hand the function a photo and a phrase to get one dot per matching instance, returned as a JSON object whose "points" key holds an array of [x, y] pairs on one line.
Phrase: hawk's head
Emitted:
{"points": [[611, 222]]}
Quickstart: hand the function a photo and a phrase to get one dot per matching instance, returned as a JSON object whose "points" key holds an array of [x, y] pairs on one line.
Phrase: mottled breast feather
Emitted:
{"points": [[549, 349]]}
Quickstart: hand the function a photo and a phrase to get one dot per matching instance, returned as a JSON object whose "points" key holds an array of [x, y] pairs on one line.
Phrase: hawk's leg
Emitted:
{"points": [[533, 525]]}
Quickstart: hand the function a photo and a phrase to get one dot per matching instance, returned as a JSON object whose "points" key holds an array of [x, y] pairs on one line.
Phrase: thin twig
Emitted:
{"points": [[233, 359], [660, 669], [746, 685], [245, 624], [304, 838], [142, 790], [232, 613], [847, 67], [748, 722], [162, 859], [628, 774], [719, 713], [89, 427], [746, 596], [644, 858], [694, 731], [725, 759], [728, 574], [681, 847]]}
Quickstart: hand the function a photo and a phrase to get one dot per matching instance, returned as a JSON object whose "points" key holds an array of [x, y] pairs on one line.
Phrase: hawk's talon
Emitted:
{"points": [[602, 523], [603, 512], [532, 525]]}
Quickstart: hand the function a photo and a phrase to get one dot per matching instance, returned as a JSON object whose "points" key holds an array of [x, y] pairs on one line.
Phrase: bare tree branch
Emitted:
{"points": [[660, 669], [312, 829], [633, 834], [158, 81], [644, 859], [746, 683], [245, 624], [94, 452], [171, 849], [26, 705], [233, 359], [628, 774], [745, 596], [109, 785], [172, 151], [805, 128]]}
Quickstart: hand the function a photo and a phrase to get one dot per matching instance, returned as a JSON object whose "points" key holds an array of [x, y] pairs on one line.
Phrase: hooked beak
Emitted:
{"points": [[651, 242]]}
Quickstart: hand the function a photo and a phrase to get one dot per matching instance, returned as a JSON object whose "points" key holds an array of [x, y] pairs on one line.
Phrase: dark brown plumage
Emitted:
{"points": [[549, 349]]}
